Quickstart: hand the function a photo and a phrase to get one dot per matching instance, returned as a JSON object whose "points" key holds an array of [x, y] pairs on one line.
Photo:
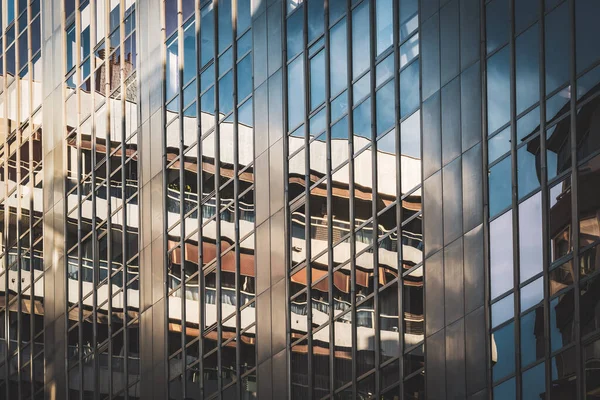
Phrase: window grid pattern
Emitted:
{"points": [[209, 203], [21, 180], [542, 155], [353, 122], [101, 193]]}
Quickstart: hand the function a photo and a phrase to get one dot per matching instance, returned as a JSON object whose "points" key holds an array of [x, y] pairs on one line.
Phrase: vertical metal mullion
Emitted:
{"points": [[287, 208], [125, 256], [109, 233], [180, 65], [574, 206], [199, 183], [374, 223], [236, 203], [515, 199], [330, 258], [217, 176], [545, 197], [308, 210], [485, 197], [5, 223], [398, 206], [351, 197]]}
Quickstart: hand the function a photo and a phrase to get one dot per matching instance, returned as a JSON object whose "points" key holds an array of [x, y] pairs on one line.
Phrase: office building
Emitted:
{"points": [[303, 199]]}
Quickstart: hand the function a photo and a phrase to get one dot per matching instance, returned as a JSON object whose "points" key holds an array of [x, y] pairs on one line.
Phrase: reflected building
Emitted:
{"points": [[299, 199]]}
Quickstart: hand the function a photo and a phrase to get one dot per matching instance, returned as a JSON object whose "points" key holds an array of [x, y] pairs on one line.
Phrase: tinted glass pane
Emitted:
{"points": [[498, 89], [337, 58], [296, 92], [409, 18], [497, 24], [317, 80], [587, 30], [534, 382], [504, 340], [560, 219], [500, 186], [498, 145], [385, 111], [527, 69], [503, 310], [316, 19], [561, 320], [207, 34], [557, 47], [384, 14], [501, 254], [409, 89], [532, 336], [295, 42], [360, 38], [528, 168]]}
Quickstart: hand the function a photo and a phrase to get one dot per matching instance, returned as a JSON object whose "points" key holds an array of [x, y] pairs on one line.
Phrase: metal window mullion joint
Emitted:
{"points": [[574, 207], [374, 224], [485, 197], [545, 201], [330, 259], [396, 79], [351, 195], [515, 200]]}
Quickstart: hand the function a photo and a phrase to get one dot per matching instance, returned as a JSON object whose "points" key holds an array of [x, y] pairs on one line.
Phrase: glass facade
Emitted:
{"points": [[299, 199]]}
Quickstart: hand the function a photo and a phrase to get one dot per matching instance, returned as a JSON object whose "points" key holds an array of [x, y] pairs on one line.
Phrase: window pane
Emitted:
{"points": [[500, 186], [501, 255], [558, 39], [317, 80], [295, 41], [295, 93], [504, 339], [360, 39], [337, 58], [409, 89], [527, 69], [498, 90], [385, 32], [385, 107], [316, 19]]}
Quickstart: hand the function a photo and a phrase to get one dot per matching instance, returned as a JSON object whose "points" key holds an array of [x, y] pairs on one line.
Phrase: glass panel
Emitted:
{"points": [[500, 187], [527, 69], [360, 39], [534, 380], [409, 89], [501, 255], [498, 89], [532, 336], [295, 93], [338, 58], [560, 219], [385, 32], [504, 342], [317, 80], [561, 320], [558, 46]]}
